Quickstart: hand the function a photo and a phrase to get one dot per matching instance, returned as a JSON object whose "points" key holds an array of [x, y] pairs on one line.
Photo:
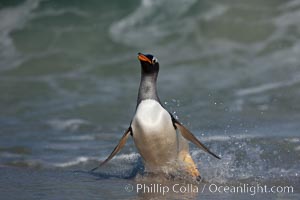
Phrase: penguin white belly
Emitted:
{"points": [[154, 135]]}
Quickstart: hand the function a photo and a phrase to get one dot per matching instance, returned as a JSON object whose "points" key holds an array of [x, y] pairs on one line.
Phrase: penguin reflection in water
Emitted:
{"points": [[153, 129]]}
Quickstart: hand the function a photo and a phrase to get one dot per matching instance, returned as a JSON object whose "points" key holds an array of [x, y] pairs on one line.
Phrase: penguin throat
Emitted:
{"points": [[148, 88]]}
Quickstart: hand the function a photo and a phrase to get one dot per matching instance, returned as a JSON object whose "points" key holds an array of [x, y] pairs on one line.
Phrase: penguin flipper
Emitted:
{"points": [[190, 137], [121, 144]]}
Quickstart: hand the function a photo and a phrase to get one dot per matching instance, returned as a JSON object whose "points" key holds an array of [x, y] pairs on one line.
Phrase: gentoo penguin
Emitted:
{"points": [[153, 128]]}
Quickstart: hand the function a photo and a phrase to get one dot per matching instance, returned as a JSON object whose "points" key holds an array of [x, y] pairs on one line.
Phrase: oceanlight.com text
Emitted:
{"points": [[247, 189]]}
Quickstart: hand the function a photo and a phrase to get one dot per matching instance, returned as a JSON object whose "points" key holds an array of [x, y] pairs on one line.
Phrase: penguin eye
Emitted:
{"points": [[154, 60]]}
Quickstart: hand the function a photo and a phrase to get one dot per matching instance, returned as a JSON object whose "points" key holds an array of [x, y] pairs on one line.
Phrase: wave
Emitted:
{"points": [[148, 19], [242, 158], [76, 161], [68, 124], [267, 87], [13, 19]]}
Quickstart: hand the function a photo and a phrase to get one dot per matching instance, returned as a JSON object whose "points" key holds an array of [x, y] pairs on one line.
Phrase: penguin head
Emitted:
{"points": [[149, 63]]}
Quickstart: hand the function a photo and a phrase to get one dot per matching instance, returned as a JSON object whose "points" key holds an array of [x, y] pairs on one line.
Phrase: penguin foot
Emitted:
{"points": [[190, 166]]}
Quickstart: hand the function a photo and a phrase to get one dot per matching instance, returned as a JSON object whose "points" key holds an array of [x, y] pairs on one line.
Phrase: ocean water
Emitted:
{"points": [[69, 75]]}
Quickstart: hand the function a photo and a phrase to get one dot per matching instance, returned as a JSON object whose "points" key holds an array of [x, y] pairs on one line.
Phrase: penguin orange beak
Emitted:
{"points": [[142, 57]]}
